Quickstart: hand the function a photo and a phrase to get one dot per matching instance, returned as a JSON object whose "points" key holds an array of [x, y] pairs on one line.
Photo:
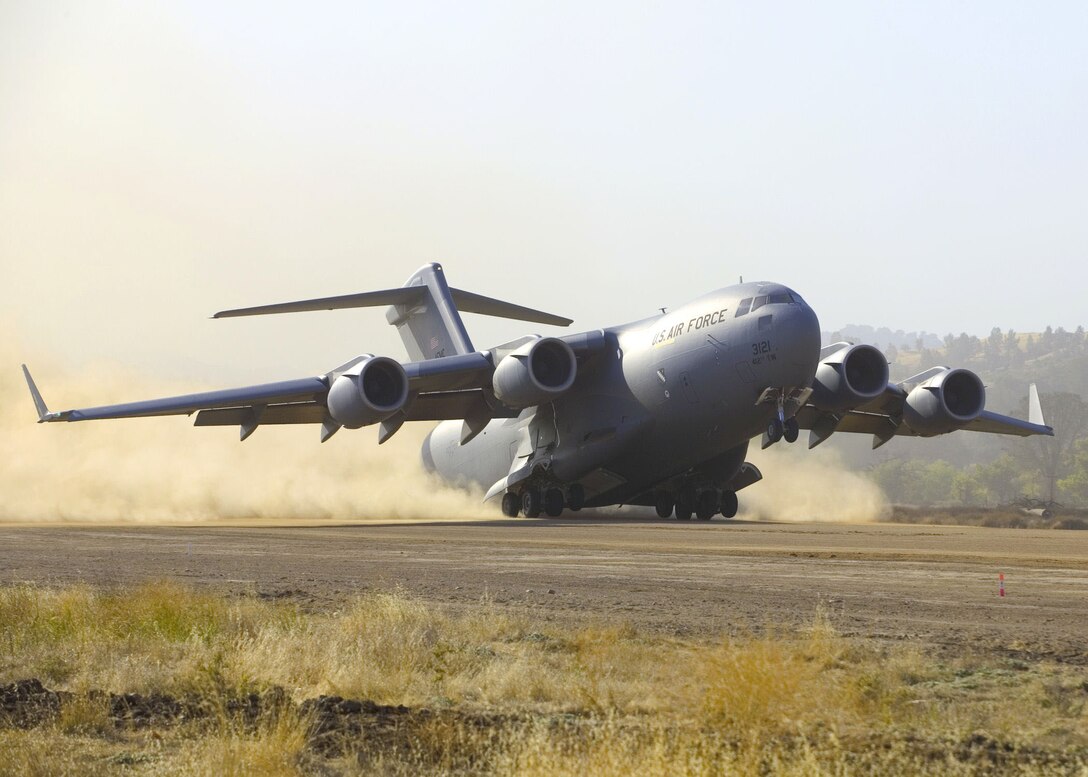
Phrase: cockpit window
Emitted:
{"points": [[753, 304]]}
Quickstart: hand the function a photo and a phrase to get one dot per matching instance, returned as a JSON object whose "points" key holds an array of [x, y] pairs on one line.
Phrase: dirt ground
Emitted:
{"points": [[937, 585]]}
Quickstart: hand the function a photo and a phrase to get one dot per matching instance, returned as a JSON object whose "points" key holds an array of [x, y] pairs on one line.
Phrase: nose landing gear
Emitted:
{"points": [[784, 400]]}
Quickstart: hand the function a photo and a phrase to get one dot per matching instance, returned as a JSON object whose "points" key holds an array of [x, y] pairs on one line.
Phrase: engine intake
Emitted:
{"points": [[849, 378], [368, 392], [537, 372], [948, 401]]}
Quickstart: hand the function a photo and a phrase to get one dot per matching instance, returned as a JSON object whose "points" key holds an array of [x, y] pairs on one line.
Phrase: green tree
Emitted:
{"points": [[1001, 479], [1051, 458], [1074, 486], [916, 481]]}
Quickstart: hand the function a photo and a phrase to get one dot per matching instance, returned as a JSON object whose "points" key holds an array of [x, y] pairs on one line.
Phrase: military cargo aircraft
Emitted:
{"points": [[658, 412]]}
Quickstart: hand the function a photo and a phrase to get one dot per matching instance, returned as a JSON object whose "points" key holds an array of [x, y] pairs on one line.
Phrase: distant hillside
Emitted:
{"points": [[1007, 362], [969, 469], [883, 337]]}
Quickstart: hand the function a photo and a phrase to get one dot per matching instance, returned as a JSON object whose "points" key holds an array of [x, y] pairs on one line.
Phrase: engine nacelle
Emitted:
{"points": [[537, 372], [849, 378], [368, 392], [948, 401]]}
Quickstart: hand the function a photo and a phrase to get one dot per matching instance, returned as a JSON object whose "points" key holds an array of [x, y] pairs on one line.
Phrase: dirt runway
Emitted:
{"points": [[937, 585]]}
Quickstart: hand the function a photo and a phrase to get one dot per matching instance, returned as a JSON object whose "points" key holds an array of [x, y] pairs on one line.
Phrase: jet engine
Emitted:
{"points": [[850, 377], [537, 372], [949, 400], [368, 392]]}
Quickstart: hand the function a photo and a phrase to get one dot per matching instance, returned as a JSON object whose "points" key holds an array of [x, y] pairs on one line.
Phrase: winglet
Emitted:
{"points": [[1035, 408], [39, 403]]}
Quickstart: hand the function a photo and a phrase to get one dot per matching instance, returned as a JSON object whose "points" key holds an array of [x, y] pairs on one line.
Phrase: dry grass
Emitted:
{"points": [[506, 694]]}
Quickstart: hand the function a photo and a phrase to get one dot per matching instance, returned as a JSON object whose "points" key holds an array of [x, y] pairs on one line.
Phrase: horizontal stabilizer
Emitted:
{"points": [[466, 302], [405, 295]]}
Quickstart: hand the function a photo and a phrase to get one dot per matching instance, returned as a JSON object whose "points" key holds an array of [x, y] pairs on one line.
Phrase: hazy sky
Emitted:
{"points": [[911, 165]]}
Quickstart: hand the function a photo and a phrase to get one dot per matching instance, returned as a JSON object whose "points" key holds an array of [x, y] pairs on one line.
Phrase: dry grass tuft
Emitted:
{"points": [[500, 693]]}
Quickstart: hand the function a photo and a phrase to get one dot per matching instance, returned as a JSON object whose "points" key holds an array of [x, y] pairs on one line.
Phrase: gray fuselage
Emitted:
{"points": [[673, 396]]}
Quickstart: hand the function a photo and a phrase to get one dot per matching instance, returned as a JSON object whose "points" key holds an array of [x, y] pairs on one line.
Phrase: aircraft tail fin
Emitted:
{"points": [[425, 311], [430, 325]]}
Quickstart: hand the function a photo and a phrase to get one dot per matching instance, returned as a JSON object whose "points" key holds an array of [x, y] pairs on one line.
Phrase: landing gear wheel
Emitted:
{"points": [[576, 497], [511, 505], [791, 430], [530, 503], [730, 504], [553, 502], [664, 504], [775, 430], [707, 505], [683, 512]]}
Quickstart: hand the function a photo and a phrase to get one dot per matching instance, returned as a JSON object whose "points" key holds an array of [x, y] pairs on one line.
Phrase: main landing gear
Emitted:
{"points": [[532, 501], [704, 504]]}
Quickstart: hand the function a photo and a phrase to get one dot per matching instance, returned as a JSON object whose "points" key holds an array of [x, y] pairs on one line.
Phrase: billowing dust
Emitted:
{"points": [[150, 470], [803, 485]]}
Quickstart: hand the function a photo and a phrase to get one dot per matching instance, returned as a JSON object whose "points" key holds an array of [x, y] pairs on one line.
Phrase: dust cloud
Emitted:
{"points": [[162, 470], [803, 485]]}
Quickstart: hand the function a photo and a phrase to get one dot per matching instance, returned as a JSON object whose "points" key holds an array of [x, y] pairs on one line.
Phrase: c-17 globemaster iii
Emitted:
{"points": [[657, 412]]}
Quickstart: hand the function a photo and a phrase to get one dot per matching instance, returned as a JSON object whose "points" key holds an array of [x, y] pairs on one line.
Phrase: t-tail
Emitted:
{"points": [[425, 311]]}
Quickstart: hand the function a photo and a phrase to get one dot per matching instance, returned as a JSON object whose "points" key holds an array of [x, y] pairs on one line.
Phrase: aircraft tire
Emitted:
{"points": [[706, 506], [792, 430], [730, 504], [576, 497], [683, 512], [511, 505], [775, 430], [531, 503], [553, 502], [664, 504]]}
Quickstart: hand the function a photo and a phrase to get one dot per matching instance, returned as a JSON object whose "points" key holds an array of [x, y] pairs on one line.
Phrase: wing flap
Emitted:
{"points": [[885, 426], [992, 423], [454, 405], [292, 413]]}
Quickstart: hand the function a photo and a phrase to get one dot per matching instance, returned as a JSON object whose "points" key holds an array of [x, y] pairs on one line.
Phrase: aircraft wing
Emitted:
{"points": [[302, 390], [447, 388], [882, 418]]}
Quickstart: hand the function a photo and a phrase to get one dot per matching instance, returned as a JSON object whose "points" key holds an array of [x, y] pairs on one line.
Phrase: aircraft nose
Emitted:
{"points": [[802, 329]]}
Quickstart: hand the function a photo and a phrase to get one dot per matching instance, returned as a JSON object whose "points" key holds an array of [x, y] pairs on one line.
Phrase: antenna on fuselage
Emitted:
{"points": [[741, 279], [662, 311]]}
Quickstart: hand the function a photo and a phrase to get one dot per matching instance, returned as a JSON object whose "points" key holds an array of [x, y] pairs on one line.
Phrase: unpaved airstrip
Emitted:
{"points": [[935, 585]]}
